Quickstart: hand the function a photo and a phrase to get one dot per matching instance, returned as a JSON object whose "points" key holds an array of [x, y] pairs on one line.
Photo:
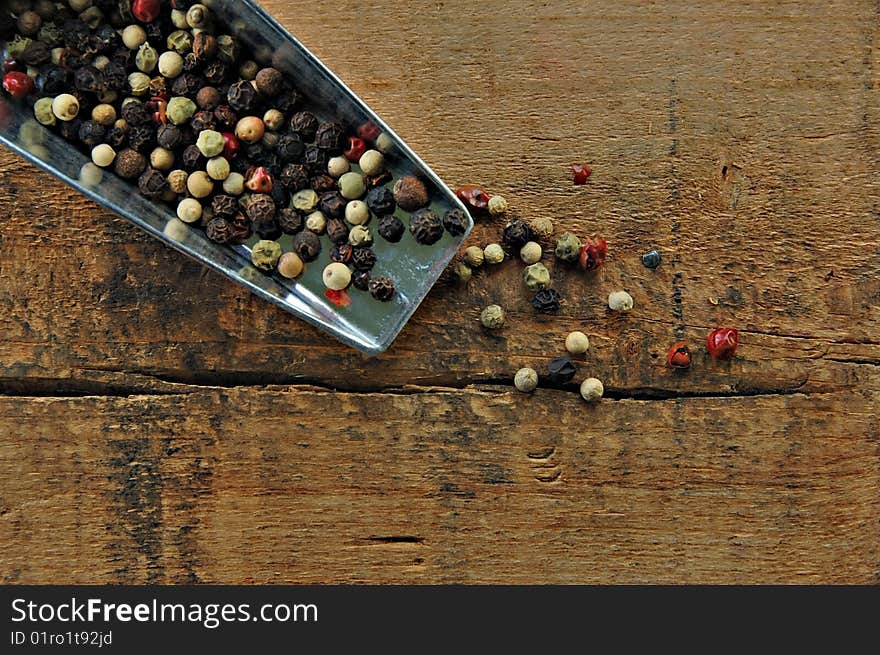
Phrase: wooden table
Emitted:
{"points": [[159, 424]]}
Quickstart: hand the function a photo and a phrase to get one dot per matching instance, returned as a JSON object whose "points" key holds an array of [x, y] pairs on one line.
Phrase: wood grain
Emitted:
{"points": [[740, 139]]}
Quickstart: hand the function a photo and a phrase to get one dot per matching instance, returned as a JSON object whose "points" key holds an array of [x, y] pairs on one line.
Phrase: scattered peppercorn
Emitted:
{"points": [[561, 370], [651, 259], [492, 317], [592, 254], [219, 229], [337, 276], [337, 230], [363, 259], [497, 205], [581, 173], [547, 301], [542, 227], [357, 212], [568, 247], [620, 301], [305, 124], [382, 288], [592, 390], [723, 342], [493, 254], [333, 204], [536, 277], [577, 343], [372, 162], [531, 253], [361, 280], [473, 256], [679, 355], [516, 233], [526, 380], [329, 136]]}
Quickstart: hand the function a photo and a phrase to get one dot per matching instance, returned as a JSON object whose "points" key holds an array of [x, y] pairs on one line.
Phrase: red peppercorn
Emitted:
{"points": [[722, 342], [159, 115], [474, 197], [145, 11], [231, 145], [258, 180], [17, 84], [369, 131], [338, 298], [581, 173], [593, 254], [679, 356], [10, 65], [356, 148]]}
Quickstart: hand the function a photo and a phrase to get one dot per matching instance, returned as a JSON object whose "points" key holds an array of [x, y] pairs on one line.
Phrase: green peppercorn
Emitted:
{"points": [[352, 186], [497, 205], [248, 70], [526, 380], [198, 16], [463, 272], [473, 256], [234, 184], [265, 254], [493, 254], [180, 41], [180, 110], [360, 235], [372, 162], [338, 166], [218, 168], [536, 277], [139, 83], [305, 200], [492, 317], [568, 247], [43, 111], [210, 143], [146, 58], [531, 253], [542, 227]]}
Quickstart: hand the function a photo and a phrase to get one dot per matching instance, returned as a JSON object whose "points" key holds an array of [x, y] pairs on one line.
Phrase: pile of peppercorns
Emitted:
{"points": [[155, 91], [587, 255]]}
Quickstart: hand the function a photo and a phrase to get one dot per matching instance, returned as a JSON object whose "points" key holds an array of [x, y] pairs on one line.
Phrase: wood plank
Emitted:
{"points": [[302, 485]]}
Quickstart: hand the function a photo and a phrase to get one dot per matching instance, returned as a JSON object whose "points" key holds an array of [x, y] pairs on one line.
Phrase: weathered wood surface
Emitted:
{"points": [[741, 139]]}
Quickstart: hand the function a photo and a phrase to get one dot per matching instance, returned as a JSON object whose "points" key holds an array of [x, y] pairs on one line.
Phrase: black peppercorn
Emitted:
{"points": [[269, 82], [135, 113], [322, 183], [295, 177], [226, 118], [241, 228], [316, 159], [186, 84], [130, 164], [242, 96], [652, 259], [341, 253], [330, 137], [337, 230], [361, 280], [290, 220], [261, 208], [391, 228], [52, 82], [215, 72], [547, 301], [307, 245], [116, 137], [203, 120], [220, 230], [158, 86], [192, 158], [516, 233], [269, 230], [426, 227], [168, 136], [381, 179], [191, 63], [290, 148], [561, 370], [333, 204], [224, 205], [381, 201], [91, 133], [204, 46], [363, 259], [115, 78], [305, 124], [382, 288], [152, 183], [36, 53], [70, 129], [456, 222], [280, 195], [108, 38], [287, 101], [142, 138], [90, 79]]}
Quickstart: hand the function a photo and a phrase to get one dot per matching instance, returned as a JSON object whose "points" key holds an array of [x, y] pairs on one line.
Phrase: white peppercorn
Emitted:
{"points": [[104, 114], [65, 107], [199, 184], [198, 16], [493, 254], [531, 253], [79, 5], [620, 301], [189, 210], [43, 111], [473, 256], [139, 83], [176, 229], [592, 390], [177, 181], [497, 205], [234, 184], [384, 143], [218, 168], [162, 159], [316, 222], [372, 162], [290, 265], [103, 155], [357, 213], [134, 36], [492, 317], [90, 175], [170, 64], [526, 380], [337, 276], [338, 166], [178, 19], [577, 343]]}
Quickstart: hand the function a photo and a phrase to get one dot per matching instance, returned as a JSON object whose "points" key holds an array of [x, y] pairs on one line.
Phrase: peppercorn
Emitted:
{"points": [[592, 254], [341, 253], [329, 136], [180, 109], [197, 16], [65, 107], [294, 177], [305, 124], [204, 121], [69, 130], [226, 118], [679, 355], [307, 245], [223, 205], [147, 58], [337, 276], [186, 84], [391, 228], [217, 168], [620, 301], [191, 159], [357, 213], [463, 273], [215, 72], [274, 120], [177, 181], [577, 343], [170, 64], [268, 229], [456, 222], [542, 227], [135, 113], [363, 259], [250, 129], [536, 277], [269, 81], [134, 36], [531, 253], [104, 114], [410, 193], [337, 230], [360, 235], [168, 136], [315, 158], [361, 280], [493, 254], [497, 205], [219, 229], [382, 288], [29, 23], [316, 222], [473, 197], [473, 256], [242, 96], [152, 183], [91, 133], [36, 53], [290, 148], [52, 82], [248, 70], [516, 233], [204, 46], [547, 301], [210, 143], [581, 173], [141, 138], [338, 166], [265, 254], [290, 220], [380, 201], [492, 317], [561, 370], [372, 162], [103, 155], [352, 186], [651, 259], [592, 390], [290, 265], [568, 247], [723, 342], [355, 150], [426, 227], [189, 210], [261, 208], [241, 228], [130, 164], [526, 380], [258, 180], [199, 184], [227, 48], [234, 184], [43, 111]]}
